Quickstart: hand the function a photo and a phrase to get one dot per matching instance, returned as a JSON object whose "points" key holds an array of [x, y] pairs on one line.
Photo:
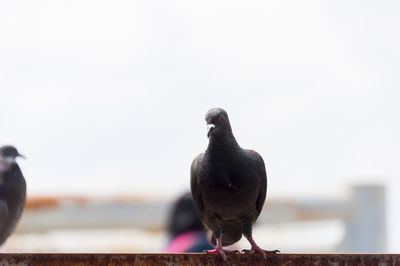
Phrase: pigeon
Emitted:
{"points": [[228, 186], [12, 191]]}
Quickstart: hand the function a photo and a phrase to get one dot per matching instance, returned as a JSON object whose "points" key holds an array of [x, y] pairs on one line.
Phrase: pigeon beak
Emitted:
{"points": [[22, 156], [210, 127]]}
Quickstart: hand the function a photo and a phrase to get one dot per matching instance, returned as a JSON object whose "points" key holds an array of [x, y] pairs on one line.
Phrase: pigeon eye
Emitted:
{"points": [[222, 118]]}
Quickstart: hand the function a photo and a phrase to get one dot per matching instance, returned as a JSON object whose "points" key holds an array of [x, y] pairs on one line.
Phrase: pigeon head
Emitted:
{"points": [[10, 152], [217, 122]]}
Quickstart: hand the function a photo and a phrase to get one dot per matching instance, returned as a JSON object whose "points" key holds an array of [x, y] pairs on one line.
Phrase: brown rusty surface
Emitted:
{"points": [[61, 259]]}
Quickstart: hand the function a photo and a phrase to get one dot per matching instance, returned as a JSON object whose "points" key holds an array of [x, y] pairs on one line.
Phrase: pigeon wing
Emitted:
{"points": [[261, 172], [3, 218], [3, 204], [194, 187]]}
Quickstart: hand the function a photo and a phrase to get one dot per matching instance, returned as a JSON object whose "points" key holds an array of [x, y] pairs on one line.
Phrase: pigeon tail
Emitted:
{"points": [[231, 232]]}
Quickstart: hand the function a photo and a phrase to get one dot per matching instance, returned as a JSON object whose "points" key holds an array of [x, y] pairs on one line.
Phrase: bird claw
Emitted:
{"points": [[222, 252], [252, 251], [212, 251], [270, 252], [273, 251], [248, 251], [263, 252], [267, 252]]}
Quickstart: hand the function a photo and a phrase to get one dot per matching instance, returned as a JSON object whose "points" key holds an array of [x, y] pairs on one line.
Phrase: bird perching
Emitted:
{"points": [[12, 191], [228, 185]]}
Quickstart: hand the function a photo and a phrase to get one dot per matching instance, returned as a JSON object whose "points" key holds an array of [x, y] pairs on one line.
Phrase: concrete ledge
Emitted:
{"points": [[61, 259]]}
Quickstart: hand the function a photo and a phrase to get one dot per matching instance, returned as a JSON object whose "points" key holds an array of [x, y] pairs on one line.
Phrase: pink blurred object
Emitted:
{"points": [[182, 242]]}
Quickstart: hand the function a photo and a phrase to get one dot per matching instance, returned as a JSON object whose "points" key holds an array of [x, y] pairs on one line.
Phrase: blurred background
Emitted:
{"points": [[107, 101]]}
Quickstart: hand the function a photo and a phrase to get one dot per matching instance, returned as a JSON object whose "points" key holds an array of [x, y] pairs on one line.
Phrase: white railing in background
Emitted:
{"points": [[363, 214]]}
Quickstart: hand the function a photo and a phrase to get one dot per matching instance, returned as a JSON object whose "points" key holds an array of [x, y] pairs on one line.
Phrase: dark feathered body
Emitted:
{"points": [[12, 196], [229, 187]]}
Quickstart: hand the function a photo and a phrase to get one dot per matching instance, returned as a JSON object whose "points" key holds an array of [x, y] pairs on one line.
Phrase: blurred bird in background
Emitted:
{"points": [[12, 191], [185, 228]]}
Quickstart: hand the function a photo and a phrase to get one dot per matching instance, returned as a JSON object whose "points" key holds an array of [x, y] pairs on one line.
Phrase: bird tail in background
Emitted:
{"points": [[231, 232]]}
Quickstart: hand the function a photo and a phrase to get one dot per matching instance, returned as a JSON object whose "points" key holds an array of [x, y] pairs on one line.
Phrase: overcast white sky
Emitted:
{"points": [[111, 95]]}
